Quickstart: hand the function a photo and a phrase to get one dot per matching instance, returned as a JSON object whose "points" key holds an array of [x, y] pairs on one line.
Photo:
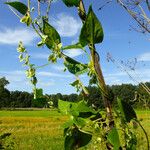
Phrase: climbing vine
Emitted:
{"points": [[104, 129]]}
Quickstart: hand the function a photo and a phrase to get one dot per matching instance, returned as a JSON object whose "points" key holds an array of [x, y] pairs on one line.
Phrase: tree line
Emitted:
{"points": [[133, 94]]}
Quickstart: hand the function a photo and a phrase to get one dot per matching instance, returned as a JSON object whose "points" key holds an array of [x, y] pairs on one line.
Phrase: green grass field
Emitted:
{"points": [[33, 130], [41, 129]]}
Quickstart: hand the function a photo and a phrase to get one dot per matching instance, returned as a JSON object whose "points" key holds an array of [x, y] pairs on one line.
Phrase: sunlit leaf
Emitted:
{"points": [[67, 107], [71, 3], [79, 122], [74, 46], [74, 66], [68, 124], [53, 37], [91, 32], [83, 107], [113, 138]]}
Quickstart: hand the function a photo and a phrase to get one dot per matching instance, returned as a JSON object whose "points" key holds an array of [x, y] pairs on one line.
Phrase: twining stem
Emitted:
{"points": [[48, 8], [148, 146], [98, 71], [39, 12], [29, 6]]}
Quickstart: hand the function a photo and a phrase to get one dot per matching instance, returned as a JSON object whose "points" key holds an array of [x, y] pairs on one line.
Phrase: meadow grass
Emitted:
{"points": [[42, 129], [33, 130]]}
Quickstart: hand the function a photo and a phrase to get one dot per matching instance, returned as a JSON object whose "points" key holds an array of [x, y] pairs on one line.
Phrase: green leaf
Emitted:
{"points": [[76, 84], [126, 110], [74, 46], [69, 142], [83, 107], [113, 138], [68, 124], [71, 3], [20, 7], [91, 32], [53, 37], [79, 122], [67, 108], [76, 139], [74, 66]]}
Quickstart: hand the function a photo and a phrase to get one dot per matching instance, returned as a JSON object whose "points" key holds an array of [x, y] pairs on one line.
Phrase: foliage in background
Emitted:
{"points": [[20, 99]]}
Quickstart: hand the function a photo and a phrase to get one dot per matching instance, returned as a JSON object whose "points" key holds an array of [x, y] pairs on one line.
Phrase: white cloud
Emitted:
{"points": [[66, 25], [139, 75], [19, 75], [13, 73], [13, 36], [74, 52], [39, 55], [18, 80], [70, 53], [58, 67], [144, 57], [51, 74], [14, 76], [46, 84]]}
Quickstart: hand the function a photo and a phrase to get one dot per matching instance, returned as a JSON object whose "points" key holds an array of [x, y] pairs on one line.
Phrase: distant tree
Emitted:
{"points": [[65, 97], [4, 98], [73, 98], [39, 102], [125, 92], [59, 96], [3, 82], [20, 99], [94, 98], [54, 98], [4, 93]]}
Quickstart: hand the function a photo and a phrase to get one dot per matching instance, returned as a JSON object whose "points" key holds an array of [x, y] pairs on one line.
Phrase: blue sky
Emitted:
{"points": [[119, 41]]}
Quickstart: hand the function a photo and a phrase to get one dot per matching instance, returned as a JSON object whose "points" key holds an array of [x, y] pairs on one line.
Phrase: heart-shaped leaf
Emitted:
{"points": [[53, 37], [67, 107], [92, 31], [113, 138], [74, 66], [76, 139]]}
